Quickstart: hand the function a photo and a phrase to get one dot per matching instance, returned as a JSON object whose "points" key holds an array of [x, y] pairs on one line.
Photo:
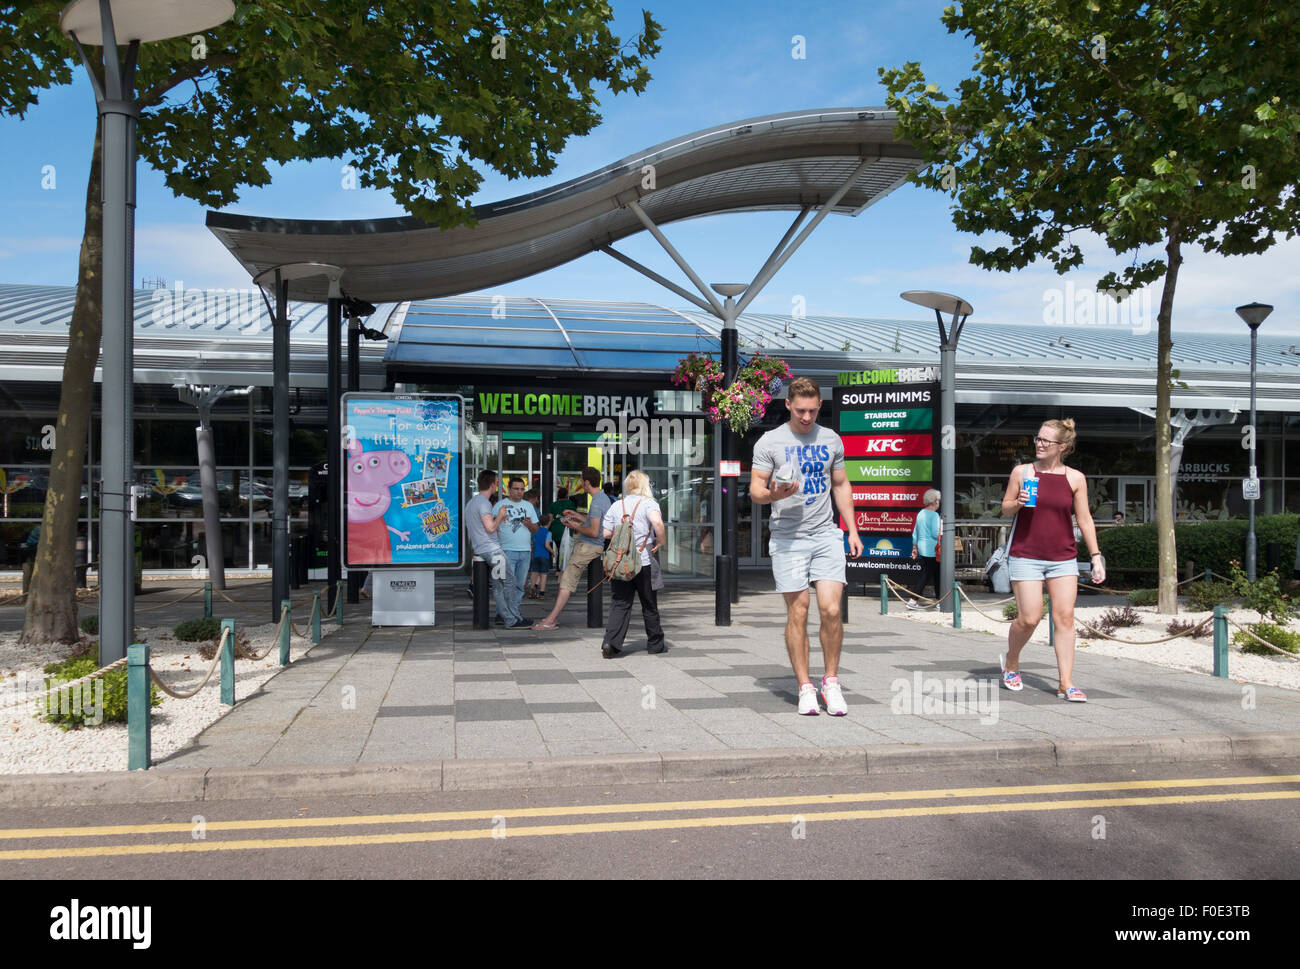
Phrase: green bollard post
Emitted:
{"points": [[884, 597], [956, 605], [315, 618], [1220, 641], [139, 749], [207, 600], [1209, 575], [1051, 626], [286, 617], [228, 664]]}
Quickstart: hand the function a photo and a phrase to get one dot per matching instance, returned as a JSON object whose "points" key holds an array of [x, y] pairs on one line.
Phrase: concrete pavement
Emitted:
{"points": [[452, 708]]}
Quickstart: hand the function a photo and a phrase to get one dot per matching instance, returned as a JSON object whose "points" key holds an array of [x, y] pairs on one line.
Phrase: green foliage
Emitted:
{"points": [[1204, 596], [90, 625], [1264, 595], [1143, 597], [197, 630], [412, 95], [1116, 618], [1270, 633], [85, 705]]}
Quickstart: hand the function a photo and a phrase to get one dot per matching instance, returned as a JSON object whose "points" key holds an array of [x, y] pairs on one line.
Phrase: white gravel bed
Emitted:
{"points": [[1193, 655], [30, 746]]}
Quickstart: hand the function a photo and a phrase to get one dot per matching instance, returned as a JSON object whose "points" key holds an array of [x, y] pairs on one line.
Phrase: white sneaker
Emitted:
{"points": [[808, 701], [833, 696], [912, 604]]}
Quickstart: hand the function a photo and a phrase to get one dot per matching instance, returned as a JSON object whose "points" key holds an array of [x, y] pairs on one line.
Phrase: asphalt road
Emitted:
{"points": [[1238, 821]]}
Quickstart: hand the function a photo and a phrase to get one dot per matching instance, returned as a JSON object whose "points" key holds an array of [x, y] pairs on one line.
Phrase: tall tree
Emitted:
{"points": [[415, 96], [1171, 123]]}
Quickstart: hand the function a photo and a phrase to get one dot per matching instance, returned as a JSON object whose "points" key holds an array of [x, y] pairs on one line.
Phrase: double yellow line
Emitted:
{"points": [[500, 826]]}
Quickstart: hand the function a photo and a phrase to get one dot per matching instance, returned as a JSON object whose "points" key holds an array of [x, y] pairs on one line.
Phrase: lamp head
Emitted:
{"points": [[143, 20], [730, 289], [1254, 314]]}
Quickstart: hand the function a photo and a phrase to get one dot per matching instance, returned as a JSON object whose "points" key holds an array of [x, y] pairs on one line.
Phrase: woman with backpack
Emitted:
{"points": [[629, 525]]}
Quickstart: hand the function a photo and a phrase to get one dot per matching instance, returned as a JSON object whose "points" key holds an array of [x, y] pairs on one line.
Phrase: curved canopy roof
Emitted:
{"points": [[783, 161]]}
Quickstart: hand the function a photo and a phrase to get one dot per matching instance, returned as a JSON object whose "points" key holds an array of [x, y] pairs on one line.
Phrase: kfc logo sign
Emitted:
{"points": [[891, 445], [885, 445]]}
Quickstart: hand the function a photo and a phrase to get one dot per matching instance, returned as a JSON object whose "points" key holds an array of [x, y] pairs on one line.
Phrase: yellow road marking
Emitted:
{"points": [[642, 807], [659, 824]]}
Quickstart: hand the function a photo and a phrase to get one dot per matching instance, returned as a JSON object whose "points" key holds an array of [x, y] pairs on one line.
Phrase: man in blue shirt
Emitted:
{"points": [[516, 536]]}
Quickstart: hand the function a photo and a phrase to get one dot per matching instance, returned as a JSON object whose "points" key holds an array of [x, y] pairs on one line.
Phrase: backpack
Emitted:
{"points": [[622, 559]]}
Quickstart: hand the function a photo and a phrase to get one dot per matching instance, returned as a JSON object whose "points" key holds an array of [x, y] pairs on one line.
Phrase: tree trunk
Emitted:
{"points": [[1168, 557], [51, 615]]}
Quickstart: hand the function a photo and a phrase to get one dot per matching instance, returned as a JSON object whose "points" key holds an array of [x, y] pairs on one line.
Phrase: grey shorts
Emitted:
{"points": [[798, 562], [1024, 570]]}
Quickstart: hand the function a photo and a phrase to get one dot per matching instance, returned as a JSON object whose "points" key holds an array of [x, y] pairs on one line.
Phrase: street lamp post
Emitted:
{"points": [[948, 336], [1253, 314], [108, 23], [726, 570]]}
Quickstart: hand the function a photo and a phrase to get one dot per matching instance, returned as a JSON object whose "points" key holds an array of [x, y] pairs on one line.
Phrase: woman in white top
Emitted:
{"points": [[643, 511]]}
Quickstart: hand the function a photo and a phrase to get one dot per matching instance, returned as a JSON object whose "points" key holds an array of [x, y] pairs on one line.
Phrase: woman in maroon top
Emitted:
{"points": [[1043, 550]]}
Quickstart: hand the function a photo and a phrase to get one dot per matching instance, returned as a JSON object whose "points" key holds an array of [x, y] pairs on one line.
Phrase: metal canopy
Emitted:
{"points": [[791, 161]]}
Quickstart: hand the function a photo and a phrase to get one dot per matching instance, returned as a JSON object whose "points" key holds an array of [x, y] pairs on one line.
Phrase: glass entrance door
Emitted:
{"points": [[1135, 499]]}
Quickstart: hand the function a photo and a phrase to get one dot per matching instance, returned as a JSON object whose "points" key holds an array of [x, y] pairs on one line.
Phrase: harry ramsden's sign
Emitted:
{"points": [[547, 405]]}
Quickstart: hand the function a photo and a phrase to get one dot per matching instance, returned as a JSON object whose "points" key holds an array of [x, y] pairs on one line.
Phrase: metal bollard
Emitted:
{"points": [[286, 614], [1220, 641], [482, 593], [315, 618], [595, 600], [956, 605], [884, 596], [723, 566], [207, 600], [138, 713], [844, 603], [228, 664]]}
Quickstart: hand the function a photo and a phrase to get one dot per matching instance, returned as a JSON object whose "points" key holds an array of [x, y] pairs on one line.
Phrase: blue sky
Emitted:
{"points": [[720, 63]]}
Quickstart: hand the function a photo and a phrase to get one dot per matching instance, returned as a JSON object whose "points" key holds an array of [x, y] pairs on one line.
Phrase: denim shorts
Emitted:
{"points": [[797, 562], [1024, 570]]}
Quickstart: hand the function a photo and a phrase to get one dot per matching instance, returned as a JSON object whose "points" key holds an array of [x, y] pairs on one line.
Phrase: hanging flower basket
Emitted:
{"points": [[743, 403]]}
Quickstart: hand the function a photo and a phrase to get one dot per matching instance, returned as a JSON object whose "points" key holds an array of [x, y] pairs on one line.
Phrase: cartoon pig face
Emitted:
{"points": [[370, 474]]}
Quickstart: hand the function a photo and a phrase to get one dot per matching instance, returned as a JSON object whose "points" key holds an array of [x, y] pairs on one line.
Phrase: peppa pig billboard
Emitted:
{"points": [[404, 480]]}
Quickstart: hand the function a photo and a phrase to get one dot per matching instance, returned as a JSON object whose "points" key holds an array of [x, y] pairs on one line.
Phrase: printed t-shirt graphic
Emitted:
{"points": [[817, 454]]}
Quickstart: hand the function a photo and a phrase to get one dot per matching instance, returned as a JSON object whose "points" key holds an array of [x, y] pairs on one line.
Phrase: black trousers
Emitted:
{"points": [[620, 613], [929, 575]]}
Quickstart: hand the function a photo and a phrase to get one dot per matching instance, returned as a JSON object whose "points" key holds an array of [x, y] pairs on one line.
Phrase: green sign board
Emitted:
{"points": [[887, 420]]}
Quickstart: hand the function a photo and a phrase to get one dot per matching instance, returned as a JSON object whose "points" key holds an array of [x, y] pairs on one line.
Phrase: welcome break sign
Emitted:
{"points": [[889, 421]]}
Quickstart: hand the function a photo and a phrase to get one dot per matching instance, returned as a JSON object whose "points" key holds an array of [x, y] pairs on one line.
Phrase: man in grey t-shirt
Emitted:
{"points": [[798, 469], [588, 543], [482, 524]]}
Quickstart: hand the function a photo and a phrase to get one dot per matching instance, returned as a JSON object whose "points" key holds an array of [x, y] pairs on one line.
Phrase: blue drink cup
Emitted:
{"points": [[1031, 486]]}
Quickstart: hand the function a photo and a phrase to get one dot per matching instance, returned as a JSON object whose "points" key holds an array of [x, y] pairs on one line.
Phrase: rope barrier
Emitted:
{"points": [[982, 612], [275, 641], [223, 595], [216, 660], [1144, 642], [906, 592], [28, 698], [1263, 642]]}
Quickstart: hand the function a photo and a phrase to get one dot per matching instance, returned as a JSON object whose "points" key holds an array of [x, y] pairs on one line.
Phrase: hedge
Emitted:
{"points": [[1208, 544]]}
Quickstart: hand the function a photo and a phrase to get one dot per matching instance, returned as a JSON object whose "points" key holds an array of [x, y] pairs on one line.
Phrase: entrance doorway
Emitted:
{"points": [[1134, 499]]}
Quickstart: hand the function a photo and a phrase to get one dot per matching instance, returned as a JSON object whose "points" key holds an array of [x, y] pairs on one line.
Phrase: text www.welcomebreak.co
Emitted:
{"points": [[1203, 936]]}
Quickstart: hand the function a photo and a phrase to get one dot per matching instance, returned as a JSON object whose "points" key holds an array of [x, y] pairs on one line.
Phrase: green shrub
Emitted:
{"points": [[87, 705], [1203, 596], [1269, 632], [197, 630], [1264, 595], [90, 625], [1209, 544], [1143, 597]]}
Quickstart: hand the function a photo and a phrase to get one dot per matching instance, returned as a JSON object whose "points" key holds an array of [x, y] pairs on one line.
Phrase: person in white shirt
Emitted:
{"points": [[642, 510]]}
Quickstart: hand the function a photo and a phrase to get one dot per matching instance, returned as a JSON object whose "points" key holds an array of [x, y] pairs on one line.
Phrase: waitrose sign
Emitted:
{"points": [[492, 405]]}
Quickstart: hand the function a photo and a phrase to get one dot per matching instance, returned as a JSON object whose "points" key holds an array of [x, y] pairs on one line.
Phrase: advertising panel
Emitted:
{"points": [[889, 420], [405, 481]]}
